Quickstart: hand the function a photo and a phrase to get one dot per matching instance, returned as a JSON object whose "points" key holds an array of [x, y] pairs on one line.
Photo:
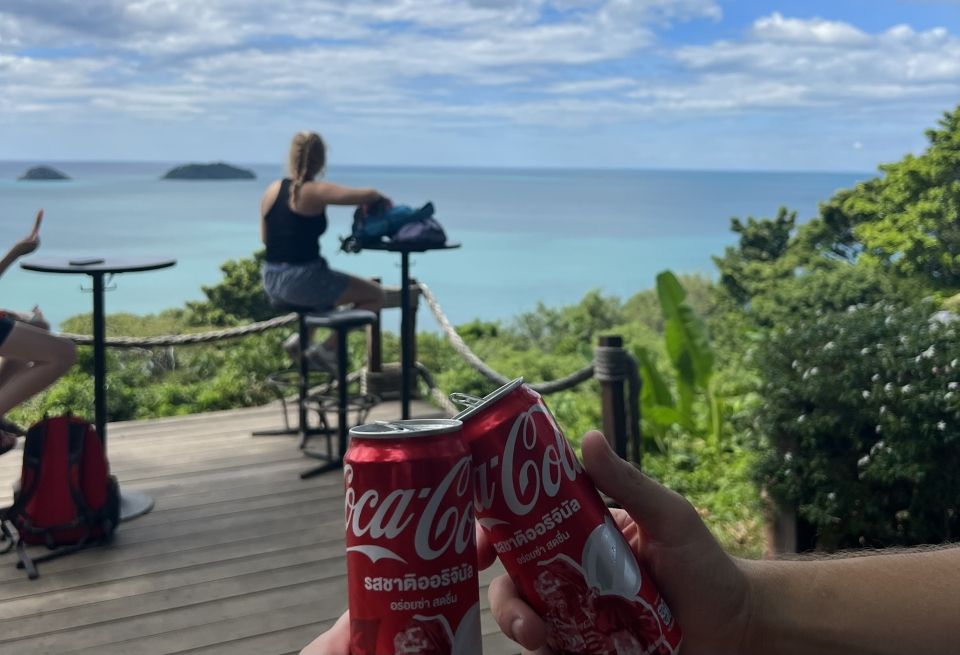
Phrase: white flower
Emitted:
{"points": [[814, 370], [883, 410], [929, 352], [906, 388], [864, 351], [863, 461], [829, 345], [831, 496], [875, 377], [801, 418], [954, 362], [795, 365], [941, 425], [865, 394], [888, 387], [952, 386], [879, 428], [948, 395], [788, 456], [877, 447]]}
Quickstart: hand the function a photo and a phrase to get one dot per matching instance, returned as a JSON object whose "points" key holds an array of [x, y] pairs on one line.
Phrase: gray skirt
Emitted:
{"points": [[313, 284]]}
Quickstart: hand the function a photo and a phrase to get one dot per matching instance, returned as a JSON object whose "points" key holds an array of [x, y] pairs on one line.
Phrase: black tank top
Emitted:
{"points": [[291, 237]]}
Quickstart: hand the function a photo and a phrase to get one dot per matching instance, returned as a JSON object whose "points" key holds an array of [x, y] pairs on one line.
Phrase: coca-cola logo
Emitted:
{"points": [[532, 464], [445, 520]]}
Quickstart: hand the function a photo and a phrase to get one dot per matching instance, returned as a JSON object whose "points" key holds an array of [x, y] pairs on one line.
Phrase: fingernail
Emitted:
{"points": [[516, 627]]}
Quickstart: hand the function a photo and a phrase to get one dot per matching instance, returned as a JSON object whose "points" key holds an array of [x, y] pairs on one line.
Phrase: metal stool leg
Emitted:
{"points": [[343, 428]]}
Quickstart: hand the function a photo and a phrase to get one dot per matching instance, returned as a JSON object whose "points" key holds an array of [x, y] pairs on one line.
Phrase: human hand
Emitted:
{"points": [[335, 641], [706, 590], [31, 242]]}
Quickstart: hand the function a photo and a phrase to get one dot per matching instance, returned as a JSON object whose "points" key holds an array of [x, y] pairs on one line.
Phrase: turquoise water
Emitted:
{"points": [[528, 235]]}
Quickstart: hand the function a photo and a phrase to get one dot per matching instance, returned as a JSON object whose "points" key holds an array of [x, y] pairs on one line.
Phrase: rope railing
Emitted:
{"points": [[187, 339], [551, 386], [609, 363]]}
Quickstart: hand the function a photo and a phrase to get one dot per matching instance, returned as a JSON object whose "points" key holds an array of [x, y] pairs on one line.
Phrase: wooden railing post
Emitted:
{"points": [[613, 405], [375, 342]]}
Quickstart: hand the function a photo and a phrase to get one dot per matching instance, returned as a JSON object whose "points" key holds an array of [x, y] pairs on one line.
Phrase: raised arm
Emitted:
{"points": [[24, 246], [328, 193]]}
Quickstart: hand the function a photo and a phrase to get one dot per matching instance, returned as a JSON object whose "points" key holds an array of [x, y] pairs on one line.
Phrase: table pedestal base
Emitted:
{"points": [[134, 504]]}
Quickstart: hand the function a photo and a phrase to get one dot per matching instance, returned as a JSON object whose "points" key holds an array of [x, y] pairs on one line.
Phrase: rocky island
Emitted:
{"points": [[215, 171], [44, 173]]}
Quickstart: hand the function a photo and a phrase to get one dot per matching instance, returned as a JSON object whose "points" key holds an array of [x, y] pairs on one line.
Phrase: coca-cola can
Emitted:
{"points": [[554, 534], [411, 540]]}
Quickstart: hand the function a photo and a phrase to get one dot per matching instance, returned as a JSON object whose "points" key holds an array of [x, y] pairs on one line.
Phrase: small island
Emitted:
{"points": [[44, 173], [215, 171]]}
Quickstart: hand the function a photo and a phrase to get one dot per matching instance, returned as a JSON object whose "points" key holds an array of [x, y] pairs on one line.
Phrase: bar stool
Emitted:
{"points": [[341, 321]]}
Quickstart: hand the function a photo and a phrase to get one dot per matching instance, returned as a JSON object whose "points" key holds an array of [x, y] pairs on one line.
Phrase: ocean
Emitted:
{"points": [[528, 235]]}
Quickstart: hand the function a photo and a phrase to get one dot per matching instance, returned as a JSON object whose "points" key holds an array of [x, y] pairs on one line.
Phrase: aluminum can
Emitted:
{"points": [[411, 540], [554, 534]]}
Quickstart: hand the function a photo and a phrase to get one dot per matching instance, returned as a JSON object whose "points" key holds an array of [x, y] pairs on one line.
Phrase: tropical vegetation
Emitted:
{"points": [[818, 372]]}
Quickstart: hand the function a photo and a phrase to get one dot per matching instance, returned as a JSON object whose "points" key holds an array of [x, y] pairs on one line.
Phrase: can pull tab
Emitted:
{"points": [[394, 426], [465, 400]]}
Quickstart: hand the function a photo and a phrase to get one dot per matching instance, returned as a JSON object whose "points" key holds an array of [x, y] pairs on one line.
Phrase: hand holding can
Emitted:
{"points": [[559, 543]]}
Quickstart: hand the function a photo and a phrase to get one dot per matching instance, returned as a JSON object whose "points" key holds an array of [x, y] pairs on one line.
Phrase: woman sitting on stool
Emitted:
{"points": [[33, 359], [292, 219]]}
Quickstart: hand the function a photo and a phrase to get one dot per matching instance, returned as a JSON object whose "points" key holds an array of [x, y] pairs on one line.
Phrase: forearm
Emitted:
{"points": [[898, 603]]}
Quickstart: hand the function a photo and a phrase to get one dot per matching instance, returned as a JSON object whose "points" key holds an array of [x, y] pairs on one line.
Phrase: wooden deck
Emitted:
{"points": [[239, 555]]}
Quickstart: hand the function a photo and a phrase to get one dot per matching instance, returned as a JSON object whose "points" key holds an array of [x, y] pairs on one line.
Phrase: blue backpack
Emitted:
{"points": [[400, 224]]}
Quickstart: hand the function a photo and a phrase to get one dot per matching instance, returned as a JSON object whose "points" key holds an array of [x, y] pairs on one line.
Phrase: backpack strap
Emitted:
{"points": [[32, 453], [76, 436]]}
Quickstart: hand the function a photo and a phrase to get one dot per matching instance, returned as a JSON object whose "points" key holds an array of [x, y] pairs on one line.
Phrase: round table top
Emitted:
{"points": [[412, 247], [90, 265]]}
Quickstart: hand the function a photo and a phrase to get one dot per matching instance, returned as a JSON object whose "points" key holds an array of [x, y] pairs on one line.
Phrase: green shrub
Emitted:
{"points": [[863, 407]]}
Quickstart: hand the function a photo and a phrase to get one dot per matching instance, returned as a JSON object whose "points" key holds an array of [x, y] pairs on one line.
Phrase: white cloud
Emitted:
{"points": [[829, 62]]}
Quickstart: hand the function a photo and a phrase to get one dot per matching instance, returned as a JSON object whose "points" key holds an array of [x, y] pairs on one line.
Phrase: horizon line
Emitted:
{"points": [[477, 167]]}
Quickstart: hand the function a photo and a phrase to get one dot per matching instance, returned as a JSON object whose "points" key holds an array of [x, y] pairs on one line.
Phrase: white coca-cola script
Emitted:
{"points": [[444, 521], [528, 468]]}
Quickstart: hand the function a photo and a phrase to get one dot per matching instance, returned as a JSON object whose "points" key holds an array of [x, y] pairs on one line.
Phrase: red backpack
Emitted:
{"points": [[67, 498]]}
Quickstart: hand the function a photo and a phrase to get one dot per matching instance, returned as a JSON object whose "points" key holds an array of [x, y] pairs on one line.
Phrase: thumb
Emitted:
{"points": [[664, 515]]}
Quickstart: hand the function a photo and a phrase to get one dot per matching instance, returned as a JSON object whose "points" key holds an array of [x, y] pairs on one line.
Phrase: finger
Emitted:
{"points": [[516, 619], [36, 223], [335, 641], [485, 553], [662, 514]]}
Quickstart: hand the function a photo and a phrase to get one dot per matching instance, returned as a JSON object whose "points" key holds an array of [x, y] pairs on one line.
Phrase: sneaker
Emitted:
{"points": [[292, 345], [323, 358]]}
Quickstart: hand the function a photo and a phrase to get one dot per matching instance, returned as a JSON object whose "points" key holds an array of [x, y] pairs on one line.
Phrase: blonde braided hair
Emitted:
{"points": [[308, 156]]}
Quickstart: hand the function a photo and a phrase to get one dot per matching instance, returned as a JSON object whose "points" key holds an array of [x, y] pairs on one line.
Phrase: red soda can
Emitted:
{"points": [[411, 541], [554, 534]]}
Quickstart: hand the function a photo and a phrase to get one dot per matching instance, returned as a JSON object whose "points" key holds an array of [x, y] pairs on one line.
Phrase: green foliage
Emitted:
{"points": [[908, 220], [760, 258], [691, 356], [862, 409], [239, 298]]}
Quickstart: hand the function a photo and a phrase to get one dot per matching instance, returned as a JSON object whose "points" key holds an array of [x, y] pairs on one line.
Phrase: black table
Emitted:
{"points": [[406, 319], [132, 503]]}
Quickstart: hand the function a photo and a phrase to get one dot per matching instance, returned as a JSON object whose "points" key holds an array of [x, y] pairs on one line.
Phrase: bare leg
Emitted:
{"points": [[51, 356]]}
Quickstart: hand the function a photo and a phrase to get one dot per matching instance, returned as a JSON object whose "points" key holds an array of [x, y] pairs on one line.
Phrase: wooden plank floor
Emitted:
{"points": [[239, 555]]}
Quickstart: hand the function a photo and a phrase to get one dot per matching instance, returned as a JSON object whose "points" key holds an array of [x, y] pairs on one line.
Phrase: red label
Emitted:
{"points": [[411, 557], [557, 539]]}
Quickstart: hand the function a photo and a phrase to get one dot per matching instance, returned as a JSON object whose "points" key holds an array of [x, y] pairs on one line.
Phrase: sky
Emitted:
{"points": [[692, 84]]}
